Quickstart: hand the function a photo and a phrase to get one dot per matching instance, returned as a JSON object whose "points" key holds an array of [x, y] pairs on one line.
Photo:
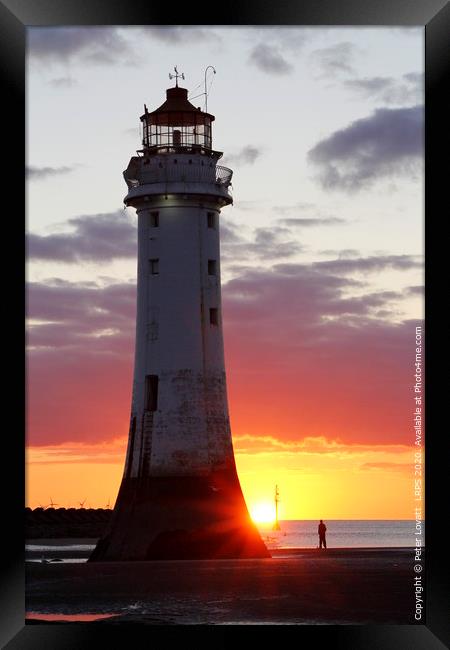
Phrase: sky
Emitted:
{"points": [[322, 255]]}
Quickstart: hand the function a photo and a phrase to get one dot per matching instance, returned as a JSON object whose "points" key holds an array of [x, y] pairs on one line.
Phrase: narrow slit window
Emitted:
{"points": [[154, 267], [211, 220], [212, 267], [151, 392], [154, 219], [214, 316], [132, 436]]}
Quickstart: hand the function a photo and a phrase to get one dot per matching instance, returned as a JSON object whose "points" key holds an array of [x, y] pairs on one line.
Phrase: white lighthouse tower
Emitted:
{"points": [[180, 495]]}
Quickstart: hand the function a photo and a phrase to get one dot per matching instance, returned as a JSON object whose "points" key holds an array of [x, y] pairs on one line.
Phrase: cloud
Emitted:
{"points": [[321, 361], [105, 237], [249, 206], [307, 356], [246, 156], [41, 173], [311, 223], [284, 37], [313, 291], [179, 34], [80, 319], [96, 238], [80, 340], [63, 82], [103, 45], [388, 90], [319, 445], [314, 216], [335, 60], [269, 59], [297, 207], [388, 467], [414, 77], [266, 244], [343, 253], [387, 143], [372, 264], [230, 233], [111, 451], [415, 290]]}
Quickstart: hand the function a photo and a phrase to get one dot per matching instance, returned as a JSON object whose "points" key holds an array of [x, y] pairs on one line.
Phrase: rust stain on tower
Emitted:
{"points": [[180, 496]]}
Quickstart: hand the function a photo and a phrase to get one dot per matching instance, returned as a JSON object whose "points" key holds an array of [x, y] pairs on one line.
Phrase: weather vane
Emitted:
{"points": [[176, 75]]}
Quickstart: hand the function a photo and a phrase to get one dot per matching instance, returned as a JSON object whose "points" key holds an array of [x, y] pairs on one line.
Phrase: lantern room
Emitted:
{"points": [[176, 126]]}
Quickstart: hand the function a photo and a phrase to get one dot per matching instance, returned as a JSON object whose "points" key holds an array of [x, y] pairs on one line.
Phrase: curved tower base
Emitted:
{"points": [[180, 518]]}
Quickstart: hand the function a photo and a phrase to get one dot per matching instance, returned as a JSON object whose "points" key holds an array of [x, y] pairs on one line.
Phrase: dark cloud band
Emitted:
{"points": [[388, 143], [41, 173], [95, 238]]}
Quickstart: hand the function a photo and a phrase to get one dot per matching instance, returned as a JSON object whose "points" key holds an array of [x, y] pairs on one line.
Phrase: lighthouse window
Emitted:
{"points": [[151, 392], [176, 137], [132, 435], [211, 220], [212, 267], [154, 219], [154, 267], [214, 316]]}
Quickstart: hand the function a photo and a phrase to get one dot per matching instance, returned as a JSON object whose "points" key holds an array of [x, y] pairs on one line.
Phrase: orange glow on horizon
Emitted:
{"points": [[318, 478]]}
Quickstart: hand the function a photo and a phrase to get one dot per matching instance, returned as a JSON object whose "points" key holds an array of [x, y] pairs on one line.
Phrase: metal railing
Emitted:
{"points": [[181, 172], [223, 175]]}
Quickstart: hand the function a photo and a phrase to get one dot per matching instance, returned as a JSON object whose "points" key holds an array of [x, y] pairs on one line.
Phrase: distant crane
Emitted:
{"points": [[276, 525], [52, 504]]}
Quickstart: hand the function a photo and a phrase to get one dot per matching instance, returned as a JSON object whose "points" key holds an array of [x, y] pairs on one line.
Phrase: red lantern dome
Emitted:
{"points": [[176, 126]]}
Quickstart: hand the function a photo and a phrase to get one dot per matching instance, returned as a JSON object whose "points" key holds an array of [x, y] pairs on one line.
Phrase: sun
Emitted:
{"points": [[263, 513]]}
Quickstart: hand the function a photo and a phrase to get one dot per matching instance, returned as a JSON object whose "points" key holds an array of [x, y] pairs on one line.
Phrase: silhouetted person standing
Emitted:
{"points": [[321, 530]]}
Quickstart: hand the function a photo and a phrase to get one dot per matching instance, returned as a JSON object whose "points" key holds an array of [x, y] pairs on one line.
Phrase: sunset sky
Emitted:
{"points": [[322, 255]]}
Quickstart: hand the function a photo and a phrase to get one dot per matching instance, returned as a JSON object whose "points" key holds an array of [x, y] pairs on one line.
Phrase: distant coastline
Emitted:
{"points": [[54, 523]]}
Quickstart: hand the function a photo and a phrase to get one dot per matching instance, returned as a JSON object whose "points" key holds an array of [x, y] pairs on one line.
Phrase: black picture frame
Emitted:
{"points": [[434, 16]]}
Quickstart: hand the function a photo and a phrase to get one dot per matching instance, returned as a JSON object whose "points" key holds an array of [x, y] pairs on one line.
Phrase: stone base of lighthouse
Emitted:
{"points": [[180, 518]]}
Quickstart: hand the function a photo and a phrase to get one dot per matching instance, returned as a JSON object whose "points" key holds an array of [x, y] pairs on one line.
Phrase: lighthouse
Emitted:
{"points": [[180, 496]]}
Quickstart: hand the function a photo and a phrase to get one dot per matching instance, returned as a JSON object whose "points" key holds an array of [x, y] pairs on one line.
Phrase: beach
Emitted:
{"points": [[295, 586]]}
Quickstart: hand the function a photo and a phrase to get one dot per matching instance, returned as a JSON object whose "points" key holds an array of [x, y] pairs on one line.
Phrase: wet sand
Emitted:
{"points": [[296, 586]]}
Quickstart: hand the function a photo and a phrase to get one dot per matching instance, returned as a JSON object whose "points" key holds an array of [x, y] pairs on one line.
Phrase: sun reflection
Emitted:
{"points": [[263, 513]]}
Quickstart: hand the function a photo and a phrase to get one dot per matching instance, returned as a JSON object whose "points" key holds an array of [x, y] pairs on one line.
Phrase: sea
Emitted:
{"points": [[344, 533], [341, 533]]}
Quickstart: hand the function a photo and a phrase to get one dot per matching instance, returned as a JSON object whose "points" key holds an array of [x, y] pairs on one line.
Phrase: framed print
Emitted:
{"points": [[225, 405]]}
